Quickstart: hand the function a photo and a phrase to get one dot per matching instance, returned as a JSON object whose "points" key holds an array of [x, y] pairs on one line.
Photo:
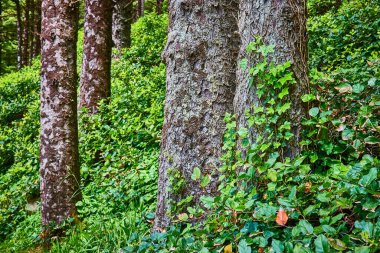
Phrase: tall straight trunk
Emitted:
{"points": [[37, 29], [201, 66], [159, 6], [96, 67], [19, 34], [121, 23], [283, 24], [140, 8], [59, 160], [31, 30], [25, 51]]}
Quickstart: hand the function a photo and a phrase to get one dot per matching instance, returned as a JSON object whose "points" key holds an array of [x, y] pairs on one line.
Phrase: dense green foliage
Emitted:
{"points": [[119, 148], [331, 193]]}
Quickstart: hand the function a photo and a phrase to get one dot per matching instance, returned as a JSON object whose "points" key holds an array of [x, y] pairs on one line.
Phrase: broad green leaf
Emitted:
{"points": [[368, 179], [362, 249], [205, 181], [277, 246], [314, 111], [243, 64], [305, 224], [243, 247], [337, 244], [372, 140], [322, 244], [196, 174], [308, 97]]}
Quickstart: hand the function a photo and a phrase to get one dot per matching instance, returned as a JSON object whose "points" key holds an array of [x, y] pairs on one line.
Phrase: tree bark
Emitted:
{"points": [[121, 23], [19, 34], [96, 67], [159, 6], [283, 24], [31, 30], [201, 69], [59, 162], [140, 8], [37, 29], [25, 51]]}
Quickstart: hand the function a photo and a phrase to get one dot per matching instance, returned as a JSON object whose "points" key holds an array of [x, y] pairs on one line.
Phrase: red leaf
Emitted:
{"points": [[282, 217]]}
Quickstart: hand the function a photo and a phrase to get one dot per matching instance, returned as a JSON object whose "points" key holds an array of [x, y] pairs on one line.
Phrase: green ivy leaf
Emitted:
{"points": [[196, 174], [314, 111], [277, 246], [368, 179], [243, 64], [243, 247]]}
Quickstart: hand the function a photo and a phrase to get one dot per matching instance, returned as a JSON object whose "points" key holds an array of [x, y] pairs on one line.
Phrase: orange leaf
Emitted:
{"points": [[282, 217]]}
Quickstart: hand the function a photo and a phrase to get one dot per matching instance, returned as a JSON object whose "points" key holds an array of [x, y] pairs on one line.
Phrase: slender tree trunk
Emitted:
{"points": [[283, 24], [96, 67], [60, 180], [19, 34], [121, 23], [140, 8], [159, 6], [37, 29], [200, 57], [25, 51], [31, 31]]}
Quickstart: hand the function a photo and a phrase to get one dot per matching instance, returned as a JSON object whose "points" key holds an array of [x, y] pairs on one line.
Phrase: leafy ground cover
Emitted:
{"points": [[326, 200]]}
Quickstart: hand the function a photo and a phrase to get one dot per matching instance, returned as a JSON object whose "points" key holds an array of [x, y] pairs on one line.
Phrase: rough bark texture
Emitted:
{"points": [[19, 34], [25, 51], [201, 70], [121, 23], [37, 29], [140, 8], [96, 67], [283, 24], [159, 6], [59, 128], [31, 29]]}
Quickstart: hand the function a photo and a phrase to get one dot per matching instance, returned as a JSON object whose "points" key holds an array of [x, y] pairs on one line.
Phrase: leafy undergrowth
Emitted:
{"points": [[119, 149], [326, 200]]}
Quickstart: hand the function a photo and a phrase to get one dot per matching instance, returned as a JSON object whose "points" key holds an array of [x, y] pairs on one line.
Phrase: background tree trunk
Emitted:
{"points": [[283, 24], [121, 23], [96, 67], [37, 29], [59, 162], [25, 51], [140, 8], [31, 31], [159, 6], [19, 34], [201, 66]]}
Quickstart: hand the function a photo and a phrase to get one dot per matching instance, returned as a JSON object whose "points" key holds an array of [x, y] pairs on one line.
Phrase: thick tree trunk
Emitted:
{"points": [[96, 67], [283, 24], [159, 6], [140, 8], [25, 51], [201, 68], [60, 178], [19, 34], [121, 23], [37, 29]]}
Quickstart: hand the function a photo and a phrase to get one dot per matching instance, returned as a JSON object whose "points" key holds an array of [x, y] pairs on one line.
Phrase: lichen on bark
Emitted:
{"points": [[95, 84], [59, 162], [283, 24], [200, 57]]}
